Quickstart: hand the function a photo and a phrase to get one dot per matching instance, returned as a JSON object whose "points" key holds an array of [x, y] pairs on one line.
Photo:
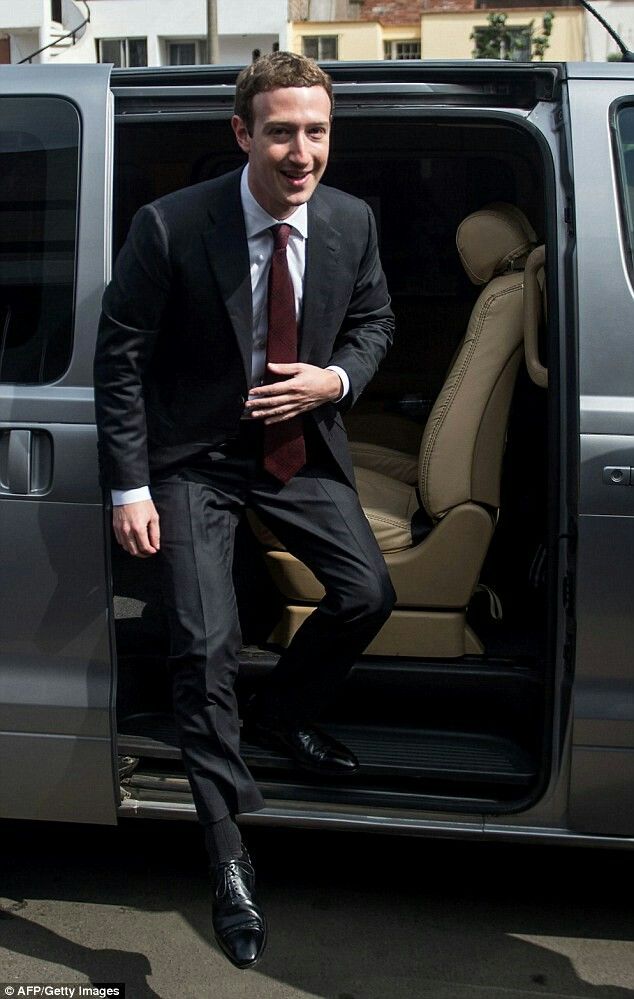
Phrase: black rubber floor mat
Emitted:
{"points": [[381, 751]]}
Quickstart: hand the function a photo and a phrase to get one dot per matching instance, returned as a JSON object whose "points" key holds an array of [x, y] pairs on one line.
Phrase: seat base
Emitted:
{"points": [[440, 572], [412, 633]]}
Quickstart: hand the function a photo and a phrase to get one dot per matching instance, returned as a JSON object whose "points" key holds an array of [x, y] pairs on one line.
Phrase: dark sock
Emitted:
{"points": [[223, 840]]}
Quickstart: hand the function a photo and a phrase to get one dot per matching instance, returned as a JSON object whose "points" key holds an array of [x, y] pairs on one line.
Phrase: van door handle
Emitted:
{"points": [[19, 461], [617, 475], [26, 461]]}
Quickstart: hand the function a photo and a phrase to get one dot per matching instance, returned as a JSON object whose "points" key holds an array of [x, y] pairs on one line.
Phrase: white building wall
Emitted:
{"points": [[261, 17], [20, 15], [23, 43], [172, 20], [27, 25], [620, 16], [236, 50], [243, 25]]}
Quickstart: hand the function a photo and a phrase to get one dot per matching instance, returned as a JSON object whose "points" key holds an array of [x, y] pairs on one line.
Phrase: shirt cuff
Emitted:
{"points": [[121, 496], [345, 381]]}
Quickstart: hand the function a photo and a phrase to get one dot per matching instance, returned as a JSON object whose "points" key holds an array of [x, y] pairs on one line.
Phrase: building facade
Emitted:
{"points": [[443, 29], [140, 32], [448, 34], [173, 32], [620, 15]]}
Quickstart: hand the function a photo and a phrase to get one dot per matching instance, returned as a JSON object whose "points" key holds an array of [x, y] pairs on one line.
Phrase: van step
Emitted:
{"points": [[157, 784], [382, 752]]}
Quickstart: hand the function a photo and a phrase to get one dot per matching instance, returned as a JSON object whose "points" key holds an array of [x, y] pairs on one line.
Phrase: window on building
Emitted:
{"points": [[122, 51], [518, 48], [322, 47], [189, 52], [56, 11], [39, 166], [405, 48]]}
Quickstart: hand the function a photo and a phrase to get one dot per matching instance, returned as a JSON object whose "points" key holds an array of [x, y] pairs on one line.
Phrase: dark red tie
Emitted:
{"points": [[284, 447]]}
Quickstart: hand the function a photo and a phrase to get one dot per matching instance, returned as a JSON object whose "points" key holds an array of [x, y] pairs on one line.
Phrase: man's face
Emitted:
{"points": [[288, 150]]}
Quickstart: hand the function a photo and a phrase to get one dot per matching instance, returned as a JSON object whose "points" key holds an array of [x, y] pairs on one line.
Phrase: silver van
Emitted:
{"points": [[494, 454]]}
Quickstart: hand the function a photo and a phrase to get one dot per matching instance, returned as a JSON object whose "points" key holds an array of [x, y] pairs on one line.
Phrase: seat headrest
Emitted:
{"points": [[490, 240]]}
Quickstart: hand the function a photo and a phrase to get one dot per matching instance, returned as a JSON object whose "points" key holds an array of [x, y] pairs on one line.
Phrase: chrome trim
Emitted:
{"points": [[394, 825]]}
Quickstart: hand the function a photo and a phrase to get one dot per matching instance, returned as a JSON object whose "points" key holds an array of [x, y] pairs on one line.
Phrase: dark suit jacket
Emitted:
{"points": [[173, 359]]}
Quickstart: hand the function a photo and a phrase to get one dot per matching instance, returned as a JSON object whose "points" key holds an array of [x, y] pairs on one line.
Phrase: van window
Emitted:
{"points": [[39, 163], [625, 153]]}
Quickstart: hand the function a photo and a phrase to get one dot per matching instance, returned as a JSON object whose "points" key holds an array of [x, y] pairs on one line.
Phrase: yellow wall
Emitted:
{"points": [[401, 32], [357, 39], [445, 35]]}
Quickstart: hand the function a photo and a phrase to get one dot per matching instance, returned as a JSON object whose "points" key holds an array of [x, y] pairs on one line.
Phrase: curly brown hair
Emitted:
{"points": [[269, 72]]}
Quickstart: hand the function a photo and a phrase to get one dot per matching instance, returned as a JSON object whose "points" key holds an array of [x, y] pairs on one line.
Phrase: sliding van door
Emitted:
{"points": [[56, 687], [602, 120]]}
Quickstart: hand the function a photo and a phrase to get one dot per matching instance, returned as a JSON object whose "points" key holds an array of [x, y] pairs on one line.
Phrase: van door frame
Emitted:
{"points": [[602, 772], [145, 97], [57, 690]]}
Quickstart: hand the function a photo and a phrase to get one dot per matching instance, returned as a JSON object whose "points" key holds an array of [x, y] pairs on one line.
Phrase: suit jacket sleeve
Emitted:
{"points": [[368, 328], [133, 306]]}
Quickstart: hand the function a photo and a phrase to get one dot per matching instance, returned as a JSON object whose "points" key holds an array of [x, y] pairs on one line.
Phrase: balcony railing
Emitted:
{"points": [[73, 34]]}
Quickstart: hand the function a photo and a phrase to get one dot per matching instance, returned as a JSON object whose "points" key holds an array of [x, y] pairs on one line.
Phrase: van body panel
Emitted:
{"points": [[600, 71], [606, 357], [601, 790], [605, 631], [57, 720], [52, 777], [602, 774], [56, 675]]}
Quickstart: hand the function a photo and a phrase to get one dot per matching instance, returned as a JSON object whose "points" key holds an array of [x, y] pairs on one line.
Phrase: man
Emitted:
{"points": [[260, 285]]}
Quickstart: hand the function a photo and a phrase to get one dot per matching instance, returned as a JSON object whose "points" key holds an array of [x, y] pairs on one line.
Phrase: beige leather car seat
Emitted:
{"points": [[434, 517]]}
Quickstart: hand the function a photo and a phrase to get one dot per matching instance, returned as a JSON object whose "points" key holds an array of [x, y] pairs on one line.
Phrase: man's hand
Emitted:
{"points": [[303, 387], [136, 527]]}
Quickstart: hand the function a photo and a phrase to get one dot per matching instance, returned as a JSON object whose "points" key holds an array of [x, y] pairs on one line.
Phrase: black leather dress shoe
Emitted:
{"points": [[239, 924], [310, 747]]}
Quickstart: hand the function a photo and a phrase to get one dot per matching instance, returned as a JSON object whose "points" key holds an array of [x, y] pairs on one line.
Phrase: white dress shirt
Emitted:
{"points": [[258, 224]]}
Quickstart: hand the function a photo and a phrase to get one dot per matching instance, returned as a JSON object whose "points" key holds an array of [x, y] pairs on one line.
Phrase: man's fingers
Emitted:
{"points": [[154, 533], [266, 406], [140, 541], [273, 391], [285, 369], [135, 540], [306, 388], [136, 528], [283, 416], [290, 407]]}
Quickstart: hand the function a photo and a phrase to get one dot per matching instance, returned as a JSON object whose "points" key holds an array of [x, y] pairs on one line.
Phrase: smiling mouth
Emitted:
{"points": [[296, 177]]}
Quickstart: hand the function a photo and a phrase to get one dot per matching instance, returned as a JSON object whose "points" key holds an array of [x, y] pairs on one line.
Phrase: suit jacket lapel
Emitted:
{"points": [[228, 255], [322, 252]]}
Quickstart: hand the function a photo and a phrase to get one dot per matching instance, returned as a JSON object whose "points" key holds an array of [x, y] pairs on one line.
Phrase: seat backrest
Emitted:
{"points": [[460, 458]]}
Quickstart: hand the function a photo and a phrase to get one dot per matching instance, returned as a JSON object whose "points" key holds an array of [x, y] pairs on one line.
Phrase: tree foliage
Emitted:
{"points": [[498, 40]]}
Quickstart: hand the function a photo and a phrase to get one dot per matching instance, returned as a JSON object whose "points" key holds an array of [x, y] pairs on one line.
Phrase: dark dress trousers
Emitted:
{"points": [[172, 373]]}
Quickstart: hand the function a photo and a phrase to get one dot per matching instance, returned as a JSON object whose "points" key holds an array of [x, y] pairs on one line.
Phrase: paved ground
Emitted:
{"points": [[352, 917]]}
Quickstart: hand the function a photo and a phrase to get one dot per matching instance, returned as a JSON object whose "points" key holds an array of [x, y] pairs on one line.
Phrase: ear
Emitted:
{"points": [[241, 133]]}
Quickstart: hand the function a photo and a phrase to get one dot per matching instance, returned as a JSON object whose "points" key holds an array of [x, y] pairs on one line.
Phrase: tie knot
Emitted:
{"points": [[281, 233]]}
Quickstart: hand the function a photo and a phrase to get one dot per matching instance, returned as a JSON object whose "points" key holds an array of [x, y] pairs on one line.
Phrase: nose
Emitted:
{"points": [[299, 148]]}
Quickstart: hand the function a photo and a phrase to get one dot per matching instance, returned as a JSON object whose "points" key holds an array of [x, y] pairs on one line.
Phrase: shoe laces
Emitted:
{"points": [[232, 883]]}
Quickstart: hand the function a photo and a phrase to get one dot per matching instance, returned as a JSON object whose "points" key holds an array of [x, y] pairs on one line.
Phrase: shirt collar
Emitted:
{"points": [[257, 220]]}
